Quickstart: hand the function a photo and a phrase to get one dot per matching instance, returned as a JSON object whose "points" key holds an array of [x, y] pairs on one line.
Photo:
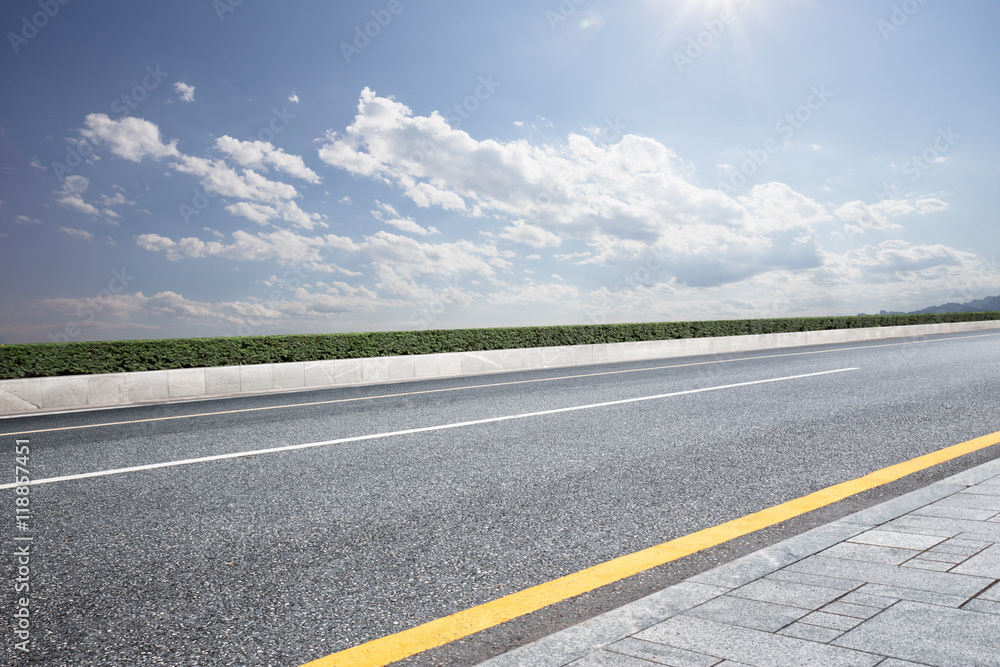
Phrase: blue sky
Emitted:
{"points": [[231, 168]]}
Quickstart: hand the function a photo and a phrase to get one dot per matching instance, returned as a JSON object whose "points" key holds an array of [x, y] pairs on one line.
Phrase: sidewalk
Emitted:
{"points": [[913, 581]]}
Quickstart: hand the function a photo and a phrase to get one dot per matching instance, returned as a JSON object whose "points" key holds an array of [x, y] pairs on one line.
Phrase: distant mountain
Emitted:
{"points": [[989, 304]]}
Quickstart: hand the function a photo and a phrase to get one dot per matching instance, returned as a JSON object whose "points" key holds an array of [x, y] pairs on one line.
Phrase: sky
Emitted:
{"points": [[241, 167]]}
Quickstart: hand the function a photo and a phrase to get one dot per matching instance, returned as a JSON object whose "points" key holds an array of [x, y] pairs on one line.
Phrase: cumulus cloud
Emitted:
{"points": [[185, 91], [536, 293], [532, 235], [262, 154], [70, 195], [130, 138], [220, 178], [880, 215], [290, 304], [77, 233], [898, 260], [387, 213], [391, 256], [894, 275], [619, 198], [283, 245], [264, 200], [288, 211]]}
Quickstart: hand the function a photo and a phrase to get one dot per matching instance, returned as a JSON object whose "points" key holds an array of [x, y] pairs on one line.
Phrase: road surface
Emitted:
{"points": [[398, 511]]}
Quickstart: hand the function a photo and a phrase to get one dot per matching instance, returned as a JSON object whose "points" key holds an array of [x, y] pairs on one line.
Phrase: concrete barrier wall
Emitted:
{"points": [[38, 395]]}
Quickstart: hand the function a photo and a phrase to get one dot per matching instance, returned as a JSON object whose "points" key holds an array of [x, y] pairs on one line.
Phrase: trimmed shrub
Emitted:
{"points": [[50, 359]]}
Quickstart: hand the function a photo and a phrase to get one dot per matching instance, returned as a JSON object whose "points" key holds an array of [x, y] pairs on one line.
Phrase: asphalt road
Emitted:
{"points": [[281, 558]]}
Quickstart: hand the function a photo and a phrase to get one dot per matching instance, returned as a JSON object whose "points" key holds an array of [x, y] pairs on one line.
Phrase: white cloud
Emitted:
{"points": [[532, 235], [892, 275], [265, 200], [288, 211], [898, 260], [70, 195], [185, 91], [261, 154], [293, 98], [408, 258], [532, 293], [387, 214], [294, 307], [218, 177], [283, 245], [130, 138], [879, 215], [259, 213], [77, 233], [775, 207], [620, 199]]}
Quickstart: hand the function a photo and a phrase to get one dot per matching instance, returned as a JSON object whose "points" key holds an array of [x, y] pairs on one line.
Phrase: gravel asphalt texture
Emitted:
{"points": [[278, 559]]}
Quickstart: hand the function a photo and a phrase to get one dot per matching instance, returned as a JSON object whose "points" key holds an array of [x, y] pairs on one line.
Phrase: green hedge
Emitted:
{"points": [[49, 359]]}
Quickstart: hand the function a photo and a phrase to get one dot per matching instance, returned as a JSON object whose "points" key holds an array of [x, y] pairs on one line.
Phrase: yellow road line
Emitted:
{"points": [[439, 632], [475, 386]]}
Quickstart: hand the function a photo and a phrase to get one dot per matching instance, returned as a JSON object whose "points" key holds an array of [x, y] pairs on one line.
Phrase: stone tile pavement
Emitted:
{"points": [[913, 581]]}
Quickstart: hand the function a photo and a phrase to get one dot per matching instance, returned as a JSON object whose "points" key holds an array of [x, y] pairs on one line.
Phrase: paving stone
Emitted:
{"points": [[985, 530], [929, 634], [913, 595], [978, 545], [991, 593], [971, 501], [891, 509], [751, 646], [931, 565], [760, 563], [870, 553], [877, 573], [609, 659], [954, 559], [884, 538], [835, 621], [661, 654], [843, 585], [955, 551], [747, 613], [893, 662], [860, 611], [579, 640], [984, 564], [813, 633], [787, 593], [984, 490], [963, 528], [866, 600], [962, 547], [983, 606], [946, 512], [903, 525], [982, 474]]}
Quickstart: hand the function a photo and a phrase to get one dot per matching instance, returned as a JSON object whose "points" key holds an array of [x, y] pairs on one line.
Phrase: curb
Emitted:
{"points": [[74, 392], [579, 640]]}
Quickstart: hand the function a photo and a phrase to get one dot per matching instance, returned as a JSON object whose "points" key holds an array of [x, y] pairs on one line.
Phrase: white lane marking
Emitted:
{"points": [[410, 431], [446, 389]]}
